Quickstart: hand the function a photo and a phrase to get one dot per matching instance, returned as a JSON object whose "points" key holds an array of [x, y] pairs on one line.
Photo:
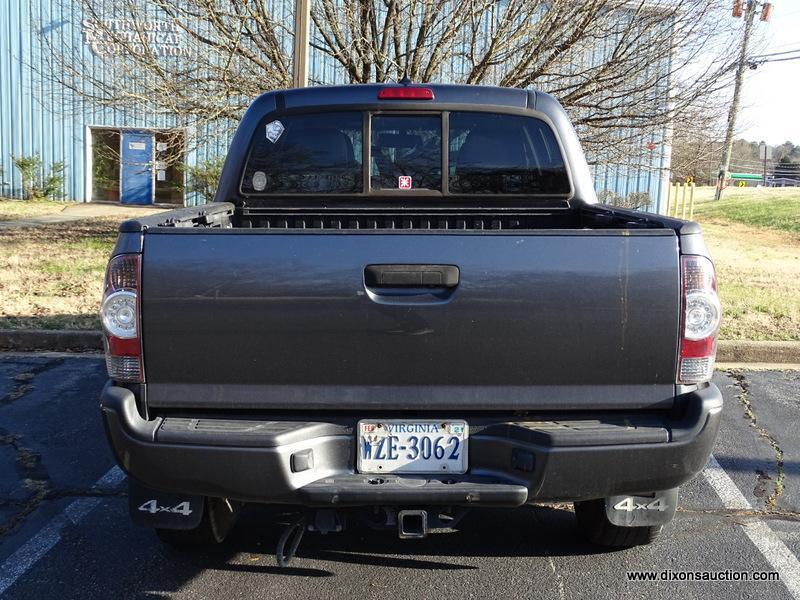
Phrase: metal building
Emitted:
{"points": [[135, 156]]}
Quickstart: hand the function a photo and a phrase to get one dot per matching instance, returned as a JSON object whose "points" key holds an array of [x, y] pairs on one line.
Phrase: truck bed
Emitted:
{"points": [[567, 309]]}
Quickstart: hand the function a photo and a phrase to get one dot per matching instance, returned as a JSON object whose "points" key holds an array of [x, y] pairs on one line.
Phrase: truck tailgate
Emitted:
{"points": [[540, 319]]}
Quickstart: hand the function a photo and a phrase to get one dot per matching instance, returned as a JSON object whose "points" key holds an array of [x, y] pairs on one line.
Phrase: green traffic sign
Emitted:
{"points": [[755, 176]]}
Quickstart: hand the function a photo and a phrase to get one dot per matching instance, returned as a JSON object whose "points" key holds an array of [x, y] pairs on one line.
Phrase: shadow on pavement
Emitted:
{"points": [[751, 464], [526, 532]]}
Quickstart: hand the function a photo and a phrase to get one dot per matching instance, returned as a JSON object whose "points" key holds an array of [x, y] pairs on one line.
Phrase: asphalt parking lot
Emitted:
{"points": [[65, 532]]}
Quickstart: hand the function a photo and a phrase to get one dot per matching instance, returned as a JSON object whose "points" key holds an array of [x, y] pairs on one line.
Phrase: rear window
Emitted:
{"points": [[504, 154], [487, 154], [311, 153], [406, 152]]}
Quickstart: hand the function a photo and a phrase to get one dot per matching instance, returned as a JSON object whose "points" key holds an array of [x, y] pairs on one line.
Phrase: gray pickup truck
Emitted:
{"points": [[405, 303]]}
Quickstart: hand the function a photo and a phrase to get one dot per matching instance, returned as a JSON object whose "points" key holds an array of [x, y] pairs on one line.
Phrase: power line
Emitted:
{"points": [[767, 55], [781, 59], [754, 64]]}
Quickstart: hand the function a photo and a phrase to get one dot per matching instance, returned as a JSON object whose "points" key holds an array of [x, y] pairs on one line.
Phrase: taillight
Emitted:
{"points": [[700, 320], [120, 315], [405, 93]]}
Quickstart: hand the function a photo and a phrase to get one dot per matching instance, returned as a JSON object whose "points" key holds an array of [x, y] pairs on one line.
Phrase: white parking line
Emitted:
{"points": [[767, 542], [40, 544]]}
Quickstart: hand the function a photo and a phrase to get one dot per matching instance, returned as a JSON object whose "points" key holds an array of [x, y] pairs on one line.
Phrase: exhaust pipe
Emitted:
{"points": [[412, 524]]}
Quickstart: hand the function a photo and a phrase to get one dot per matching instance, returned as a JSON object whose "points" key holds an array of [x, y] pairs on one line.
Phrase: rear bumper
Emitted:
{"points": [[510, 464]]}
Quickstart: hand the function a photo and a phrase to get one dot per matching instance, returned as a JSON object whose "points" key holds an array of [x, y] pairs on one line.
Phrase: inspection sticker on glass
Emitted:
{"points": [[404, 182], [274, 131], [259, 180]]}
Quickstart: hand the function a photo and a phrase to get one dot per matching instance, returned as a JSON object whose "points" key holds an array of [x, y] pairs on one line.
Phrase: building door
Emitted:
{"points": [[136, 168]]}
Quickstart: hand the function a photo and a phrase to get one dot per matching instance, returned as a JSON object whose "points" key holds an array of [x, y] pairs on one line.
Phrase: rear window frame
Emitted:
{"points": [[443, 198]]}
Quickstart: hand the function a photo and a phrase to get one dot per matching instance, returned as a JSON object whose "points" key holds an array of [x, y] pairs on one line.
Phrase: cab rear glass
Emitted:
{"points": [[493, 153], [458, 153], [306, 154], [406, 152]]}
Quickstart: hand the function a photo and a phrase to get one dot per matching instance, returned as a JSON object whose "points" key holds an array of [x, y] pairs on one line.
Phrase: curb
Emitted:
{"points": [[20, 340], [57, 340], [745, 351]]}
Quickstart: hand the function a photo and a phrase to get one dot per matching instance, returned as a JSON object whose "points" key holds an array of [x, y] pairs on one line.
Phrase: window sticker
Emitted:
{"points": [[404, 182], [259, 180], [274, 131]]}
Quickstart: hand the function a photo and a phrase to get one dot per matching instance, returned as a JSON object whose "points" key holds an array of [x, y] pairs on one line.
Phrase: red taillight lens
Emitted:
{"points": [[701, 315], [120, 315], [405, 93]]}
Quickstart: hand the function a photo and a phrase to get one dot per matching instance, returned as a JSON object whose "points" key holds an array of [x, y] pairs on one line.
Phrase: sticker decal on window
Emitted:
{"points": [[404, 182], [259, 181], [274, 131]]}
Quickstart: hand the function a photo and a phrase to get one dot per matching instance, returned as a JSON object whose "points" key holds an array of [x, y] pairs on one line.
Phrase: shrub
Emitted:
{"points": [[37, 185], [203, 177], [609, 197], [634, 200]]}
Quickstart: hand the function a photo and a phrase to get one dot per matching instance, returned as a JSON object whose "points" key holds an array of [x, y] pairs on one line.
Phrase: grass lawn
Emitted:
{"points": [[758, 273], [11, 210], [754, 237], [51, 276], [775, 208]]}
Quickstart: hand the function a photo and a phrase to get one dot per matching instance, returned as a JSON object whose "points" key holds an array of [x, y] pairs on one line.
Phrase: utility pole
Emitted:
{"points": [[302, 18], [737, 91]]}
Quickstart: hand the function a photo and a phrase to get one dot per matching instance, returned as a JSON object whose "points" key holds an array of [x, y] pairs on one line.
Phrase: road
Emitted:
{"points": [[65, 532]]}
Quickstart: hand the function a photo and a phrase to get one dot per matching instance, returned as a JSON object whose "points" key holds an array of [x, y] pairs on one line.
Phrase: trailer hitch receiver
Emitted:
{"points": [[412, 524]]}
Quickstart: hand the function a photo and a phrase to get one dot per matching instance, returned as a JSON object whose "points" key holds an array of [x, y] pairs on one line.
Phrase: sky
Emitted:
{"points": [[771, 93]]}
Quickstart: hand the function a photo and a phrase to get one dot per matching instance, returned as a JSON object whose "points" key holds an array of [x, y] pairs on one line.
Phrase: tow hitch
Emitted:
{"points": [[292, 535], [323, 521], [412, 524]]}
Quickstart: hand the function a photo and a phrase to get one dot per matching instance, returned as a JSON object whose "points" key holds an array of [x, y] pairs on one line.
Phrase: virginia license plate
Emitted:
{"points": [[412, 446]]}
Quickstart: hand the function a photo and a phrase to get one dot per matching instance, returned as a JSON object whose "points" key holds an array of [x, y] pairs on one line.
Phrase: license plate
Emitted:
{"points": [[421, 446]]}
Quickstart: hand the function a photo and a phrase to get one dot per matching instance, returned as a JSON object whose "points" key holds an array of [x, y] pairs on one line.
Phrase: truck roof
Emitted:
{"points": [[443, 94]]}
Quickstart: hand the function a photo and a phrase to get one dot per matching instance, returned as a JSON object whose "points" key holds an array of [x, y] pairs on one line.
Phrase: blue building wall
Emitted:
{"points": [[38, 116]]}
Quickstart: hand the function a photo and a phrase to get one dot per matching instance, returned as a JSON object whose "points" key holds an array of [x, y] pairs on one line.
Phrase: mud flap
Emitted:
{"points": [[154, 508], [642, 511]]}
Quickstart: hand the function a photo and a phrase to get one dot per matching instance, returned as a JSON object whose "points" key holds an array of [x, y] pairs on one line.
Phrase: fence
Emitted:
{"points": [[680, 201]]}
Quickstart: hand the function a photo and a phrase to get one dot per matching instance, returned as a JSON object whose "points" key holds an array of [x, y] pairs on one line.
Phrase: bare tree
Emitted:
{"points": [[624, 69], [695, 157], [697, 143], [198, 62]]}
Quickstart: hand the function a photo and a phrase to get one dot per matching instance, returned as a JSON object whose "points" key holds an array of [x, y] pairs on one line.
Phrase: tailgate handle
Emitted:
{"points": [[411, 276]]}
